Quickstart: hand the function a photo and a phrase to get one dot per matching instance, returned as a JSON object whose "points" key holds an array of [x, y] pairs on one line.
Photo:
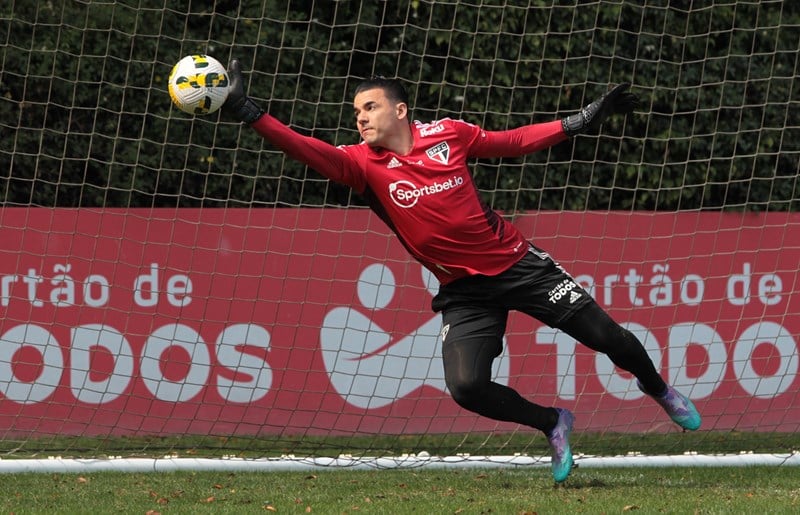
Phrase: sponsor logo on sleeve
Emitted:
{"points": [[430, 131]]}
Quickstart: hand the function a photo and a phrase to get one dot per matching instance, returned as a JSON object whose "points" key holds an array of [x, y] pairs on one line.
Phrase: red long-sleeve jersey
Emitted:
{"points": [[428, 198]]}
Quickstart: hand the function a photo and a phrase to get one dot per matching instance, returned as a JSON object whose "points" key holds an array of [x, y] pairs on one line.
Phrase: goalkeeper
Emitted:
{"points": [[415, 177]]}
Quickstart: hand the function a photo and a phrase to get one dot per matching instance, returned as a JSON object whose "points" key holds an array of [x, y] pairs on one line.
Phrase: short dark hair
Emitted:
{"points": [[393, 88]]}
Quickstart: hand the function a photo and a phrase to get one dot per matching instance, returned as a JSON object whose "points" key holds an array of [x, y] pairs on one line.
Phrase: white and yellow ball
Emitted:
{"points": [[198, 84]]}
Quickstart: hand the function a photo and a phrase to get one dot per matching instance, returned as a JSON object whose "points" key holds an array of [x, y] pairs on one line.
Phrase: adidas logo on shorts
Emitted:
{"points": [[561, 290]]}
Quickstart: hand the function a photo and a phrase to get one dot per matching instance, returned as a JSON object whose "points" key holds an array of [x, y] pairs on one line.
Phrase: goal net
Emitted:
{"points": [[174, 285]]}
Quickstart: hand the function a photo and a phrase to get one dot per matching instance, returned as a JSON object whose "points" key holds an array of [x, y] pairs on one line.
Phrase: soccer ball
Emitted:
{"points": [[198, 84]]}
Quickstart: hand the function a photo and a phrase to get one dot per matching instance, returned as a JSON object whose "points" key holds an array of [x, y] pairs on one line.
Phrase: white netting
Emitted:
{"points": [[170, 282]]}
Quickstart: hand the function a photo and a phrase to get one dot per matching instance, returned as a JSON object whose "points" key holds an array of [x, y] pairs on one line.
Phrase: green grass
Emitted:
{"points": [[529, 490], [763, 490]]}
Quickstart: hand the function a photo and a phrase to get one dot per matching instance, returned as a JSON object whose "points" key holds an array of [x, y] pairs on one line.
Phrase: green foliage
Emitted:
{"points": [[85, 120]]}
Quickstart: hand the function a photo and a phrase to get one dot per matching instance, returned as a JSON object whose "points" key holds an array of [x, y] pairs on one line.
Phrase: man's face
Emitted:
{"points": [[377, 117]]}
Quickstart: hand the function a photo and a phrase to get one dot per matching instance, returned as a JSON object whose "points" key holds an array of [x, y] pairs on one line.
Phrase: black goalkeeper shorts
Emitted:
{"points": [[478, 306]]}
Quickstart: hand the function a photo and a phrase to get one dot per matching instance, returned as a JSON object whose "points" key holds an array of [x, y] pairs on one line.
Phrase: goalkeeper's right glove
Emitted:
{"points": [[617, 101], [238, 104]]}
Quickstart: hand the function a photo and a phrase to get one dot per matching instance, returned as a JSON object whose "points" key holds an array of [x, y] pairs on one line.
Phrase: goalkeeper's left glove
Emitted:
{"points": [[617, 101], [238, 103]]}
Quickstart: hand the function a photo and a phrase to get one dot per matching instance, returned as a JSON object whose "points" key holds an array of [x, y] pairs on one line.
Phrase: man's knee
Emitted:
{"points": [[467, 392], [468, 368]]}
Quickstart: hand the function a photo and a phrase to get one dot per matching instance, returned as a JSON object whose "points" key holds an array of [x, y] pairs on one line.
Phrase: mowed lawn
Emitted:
{"points": [[752, 490]]}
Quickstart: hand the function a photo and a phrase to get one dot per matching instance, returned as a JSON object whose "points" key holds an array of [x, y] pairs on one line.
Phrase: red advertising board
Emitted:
{"points": [[315, 321]]}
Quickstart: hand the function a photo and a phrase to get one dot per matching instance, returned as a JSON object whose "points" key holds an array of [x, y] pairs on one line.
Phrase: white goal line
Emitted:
{"points": [[291, 463]]}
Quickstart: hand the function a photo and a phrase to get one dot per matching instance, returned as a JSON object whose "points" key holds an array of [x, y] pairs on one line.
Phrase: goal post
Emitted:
{"points": [[171, 283]]}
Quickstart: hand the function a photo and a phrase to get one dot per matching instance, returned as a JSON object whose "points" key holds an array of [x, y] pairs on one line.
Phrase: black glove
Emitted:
{"points": [[617, 101], [238, 104]]}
